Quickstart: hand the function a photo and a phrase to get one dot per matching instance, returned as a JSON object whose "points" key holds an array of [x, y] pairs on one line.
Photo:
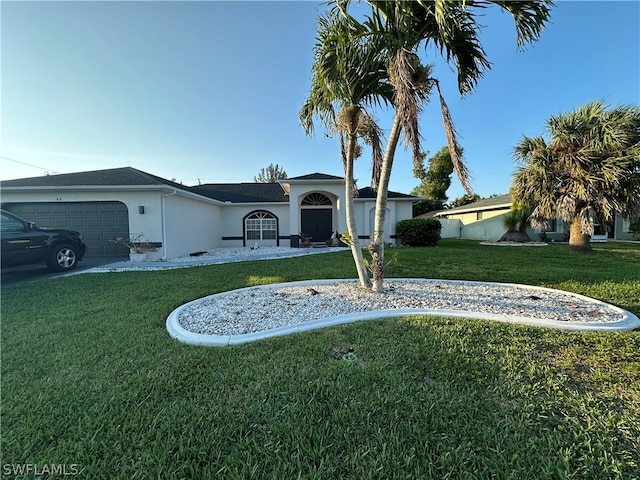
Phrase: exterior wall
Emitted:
{"points": [[396, 211], [231, 227], [185, 233], [489, 229], [622, 229], [451, 228]]}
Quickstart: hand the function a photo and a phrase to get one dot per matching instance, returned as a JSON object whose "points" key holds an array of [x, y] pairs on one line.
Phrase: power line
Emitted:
{"points": [[46, 170]]}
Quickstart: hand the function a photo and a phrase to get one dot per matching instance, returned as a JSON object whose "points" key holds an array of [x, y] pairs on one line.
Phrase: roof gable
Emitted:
{"points": [[315, 176]]}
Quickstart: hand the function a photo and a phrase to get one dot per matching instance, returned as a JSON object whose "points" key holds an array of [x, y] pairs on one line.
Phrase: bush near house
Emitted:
{"points": [[634, 228], [419, 232]]}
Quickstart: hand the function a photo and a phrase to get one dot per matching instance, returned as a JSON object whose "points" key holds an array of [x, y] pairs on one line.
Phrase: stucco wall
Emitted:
{"points": [[190, 225], [450, 228]]}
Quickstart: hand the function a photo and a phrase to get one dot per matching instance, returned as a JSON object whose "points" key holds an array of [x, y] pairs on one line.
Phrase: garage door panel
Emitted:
{"points": [[91, 208], [61, 222], [98, 222], [43, 208]]}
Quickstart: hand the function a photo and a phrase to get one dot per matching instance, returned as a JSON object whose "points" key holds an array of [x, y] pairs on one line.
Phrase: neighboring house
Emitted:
{"points": [[482, 220], [180, 220]]}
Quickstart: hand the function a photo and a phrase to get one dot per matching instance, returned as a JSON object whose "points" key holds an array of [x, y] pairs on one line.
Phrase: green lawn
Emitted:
{"points": [[90, 378]]}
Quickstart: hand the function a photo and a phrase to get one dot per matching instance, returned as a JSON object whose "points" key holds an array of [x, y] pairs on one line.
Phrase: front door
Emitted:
{"points": [[316, 223]]}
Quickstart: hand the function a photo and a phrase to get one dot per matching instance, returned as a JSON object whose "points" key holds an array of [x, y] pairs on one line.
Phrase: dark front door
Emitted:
{"points": [[316, 223]]}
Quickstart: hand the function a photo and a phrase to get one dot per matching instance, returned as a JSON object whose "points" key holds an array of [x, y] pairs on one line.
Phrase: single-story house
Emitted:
{"points": [[482, 220], [179, 220]]}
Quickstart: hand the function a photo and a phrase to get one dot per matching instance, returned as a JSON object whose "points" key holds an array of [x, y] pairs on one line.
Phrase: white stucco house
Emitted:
{"points": [[179, 220]]}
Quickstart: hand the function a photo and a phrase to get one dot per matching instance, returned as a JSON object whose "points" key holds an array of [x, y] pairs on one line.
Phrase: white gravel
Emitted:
{"points": [[267, 307]]}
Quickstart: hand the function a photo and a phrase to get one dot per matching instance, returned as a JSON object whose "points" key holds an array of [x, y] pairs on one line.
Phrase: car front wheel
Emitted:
{"points": [[62, 258]]}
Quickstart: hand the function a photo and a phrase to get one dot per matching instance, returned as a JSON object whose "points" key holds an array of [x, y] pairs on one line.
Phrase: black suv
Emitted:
{"points": [[24, 243]]}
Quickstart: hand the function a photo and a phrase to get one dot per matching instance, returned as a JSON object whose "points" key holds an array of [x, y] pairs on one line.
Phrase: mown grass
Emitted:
{"points": [[91, 378]]}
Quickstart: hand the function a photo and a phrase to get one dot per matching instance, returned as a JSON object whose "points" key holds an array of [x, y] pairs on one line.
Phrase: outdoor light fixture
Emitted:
{"points": [[141, 209]]}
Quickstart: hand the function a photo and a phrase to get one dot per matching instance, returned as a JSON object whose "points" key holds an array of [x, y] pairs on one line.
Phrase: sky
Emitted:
{"points": [[210, 91]]}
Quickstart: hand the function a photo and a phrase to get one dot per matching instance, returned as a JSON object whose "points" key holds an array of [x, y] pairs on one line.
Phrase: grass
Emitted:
{"points": [[90, 378]]}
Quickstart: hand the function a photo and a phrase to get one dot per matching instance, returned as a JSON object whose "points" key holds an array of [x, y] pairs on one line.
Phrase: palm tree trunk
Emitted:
{"points": [[578, 241], [356, 249], [376, 247]]}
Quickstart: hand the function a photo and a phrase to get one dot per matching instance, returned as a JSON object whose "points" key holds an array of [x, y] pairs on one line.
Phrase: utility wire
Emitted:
{"points": [[47, 170]]}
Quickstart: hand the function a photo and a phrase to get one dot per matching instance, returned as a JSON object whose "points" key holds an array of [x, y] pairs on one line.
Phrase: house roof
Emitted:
{"points": [[314, 176], [493, 203], [368, 192], [242, 192], [125, 176], [223, 192]]}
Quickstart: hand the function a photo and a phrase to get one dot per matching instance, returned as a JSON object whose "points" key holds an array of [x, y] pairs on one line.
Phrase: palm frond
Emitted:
{"points": [[454, 148]]}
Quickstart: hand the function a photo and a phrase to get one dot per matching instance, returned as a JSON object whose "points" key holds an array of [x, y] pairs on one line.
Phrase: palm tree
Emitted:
{"points": [[348, 75], [588, 170], [403, 26]]}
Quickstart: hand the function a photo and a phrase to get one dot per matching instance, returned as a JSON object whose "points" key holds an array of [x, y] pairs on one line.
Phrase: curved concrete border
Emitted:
{"points": [[628, 322]]}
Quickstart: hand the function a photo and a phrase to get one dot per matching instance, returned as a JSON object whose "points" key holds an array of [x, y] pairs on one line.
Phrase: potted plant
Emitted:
{"points": [[138, 247], [306, 240]]}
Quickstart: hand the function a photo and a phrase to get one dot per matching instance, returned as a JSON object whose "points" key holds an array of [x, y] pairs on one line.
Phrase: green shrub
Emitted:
{"points": [[634, 229], [419, 232]]}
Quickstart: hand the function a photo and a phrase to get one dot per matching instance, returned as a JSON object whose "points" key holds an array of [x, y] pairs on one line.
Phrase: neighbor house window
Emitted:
{"points": [[478, 216], [553, 226], [261, 226]]}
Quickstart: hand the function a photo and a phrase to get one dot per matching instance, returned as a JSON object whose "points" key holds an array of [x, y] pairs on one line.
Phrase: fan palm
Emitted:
{"points": [[402, 27], [587, 171], [348, 75]]}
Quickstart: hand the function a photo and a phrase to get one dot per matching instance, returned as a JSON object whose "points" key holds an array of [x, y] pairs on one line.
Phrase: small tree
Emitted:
{"points": [[271, 174], [516, 223], [466, 199], [434, 182]]}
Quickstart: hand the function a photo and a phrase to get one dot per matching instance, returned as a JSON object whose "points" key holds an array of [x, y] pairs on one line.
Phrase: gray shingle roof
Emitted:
{"points": [[224, 192], [368, 192], [125, 176], [315, 176], [242, 192], [485, 204]]}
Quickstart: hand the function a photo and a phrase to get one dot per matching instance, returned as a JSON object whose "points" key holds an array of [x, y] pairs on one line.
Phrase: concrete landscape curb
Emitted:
{"points": [[628, 322]]}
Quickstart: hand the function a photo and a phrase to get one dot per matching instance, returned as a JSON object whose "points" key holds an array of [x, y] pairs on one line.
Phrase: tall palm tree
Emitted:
{"points": [[347, 76], [588, 170], [403, 26]]}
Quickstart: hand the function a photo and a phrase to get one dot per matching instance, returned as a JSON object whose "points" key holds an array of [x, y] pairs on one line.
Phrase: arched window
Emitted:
{"points": [[316, 199], [261, 226]]}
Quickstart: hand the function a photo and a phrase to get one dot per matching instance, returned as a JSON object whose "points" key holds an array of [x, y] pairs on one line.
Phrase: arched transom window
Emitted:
{"points": [[316, 199], [261, 226]]}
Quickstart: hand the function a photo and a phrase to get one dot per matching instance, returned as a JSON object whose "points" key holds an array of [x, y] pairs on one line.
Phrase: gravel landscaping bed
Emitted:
{"points": [[266, 307]]}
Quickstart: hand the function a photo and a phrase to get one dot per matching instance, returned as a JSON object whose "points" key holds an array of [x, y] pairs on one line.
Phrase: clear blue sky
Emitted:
{"points": [[210, 91]]}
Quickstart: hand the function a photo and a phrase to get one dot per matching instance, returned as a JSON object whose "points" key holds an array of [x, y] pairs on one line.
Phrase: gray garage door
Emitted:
{"points": [[99, 223]]}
